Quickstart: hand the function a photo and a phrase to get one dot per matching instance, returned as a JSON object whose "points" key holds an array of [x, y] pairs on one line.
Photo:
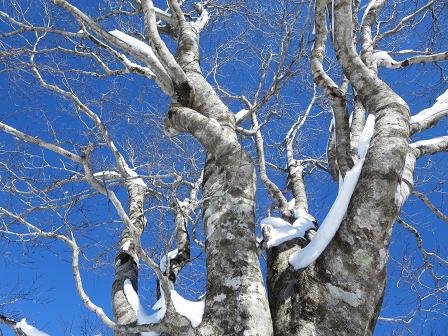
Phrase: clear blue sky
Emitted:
{"points": [[43, 267]]}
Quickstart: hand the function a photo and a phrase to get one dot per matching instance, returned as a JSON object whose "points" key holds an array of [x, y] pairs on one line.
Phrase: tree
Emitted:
{"points": [[103, 150]]}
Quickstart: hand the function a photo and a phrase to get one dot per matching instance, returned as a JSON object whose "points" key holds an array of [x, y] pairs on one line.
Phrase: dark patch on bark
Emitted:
{"points": [[183, 93]]}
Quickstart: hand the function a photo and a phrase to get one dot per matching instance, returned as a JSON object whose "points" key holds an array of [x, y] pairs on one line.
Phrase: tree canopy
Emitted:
{"points": [[223, 167]]}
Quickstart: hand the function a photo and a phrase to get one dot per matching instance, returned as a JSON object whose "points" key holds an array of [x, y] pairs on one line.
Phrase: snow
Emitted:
{"points": [[428, 142], [142, 317], [126, 245], [192, 310], [106, 174], [382, 58], [366, 135], [161, 12], [135, 179], [185, 203], [241, 115], [299, 212], [29, 330], [281, 231], [162, 264], [369, 6], [440, 106], [133, 42], [332, 221]]}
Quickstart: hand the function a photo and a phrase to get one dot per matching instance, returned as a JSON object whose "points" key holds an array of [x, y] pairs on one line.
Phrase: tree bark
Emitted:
{"points": [[126, 262], [341, 293], [236, 302]]}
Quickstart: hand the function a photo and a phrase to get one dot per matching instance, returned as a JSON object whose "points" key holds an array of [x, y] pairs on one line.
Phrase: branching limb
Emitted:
{"points": [[295, 168], [371, 14], [332, 91], [392, 64], [274, 191], [403, 23], [207, 131], [431, 206], [141, 54], [12, 324], [178, 76]]}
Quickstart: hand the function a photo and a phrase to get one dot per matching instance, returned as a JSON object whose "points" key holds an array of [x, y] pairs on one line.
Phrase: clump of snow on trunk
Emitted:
{"points": [[332, 221], [29, 330], [281, 231], [171, 255], [192, 310]]}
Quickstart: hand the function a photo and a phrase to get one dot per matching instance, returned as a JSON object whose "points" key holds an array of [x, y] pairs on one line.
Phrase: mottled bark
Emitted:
{"points": [[235, 302], [126, 262], [284, 287], [341, 293], [335, 95], [182, 243]]}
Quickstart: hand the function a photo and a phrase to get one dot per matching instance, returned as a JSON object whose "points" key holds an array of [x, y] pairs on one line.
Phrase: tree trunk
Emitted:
{"points": [[236, 302], [341, 293]]}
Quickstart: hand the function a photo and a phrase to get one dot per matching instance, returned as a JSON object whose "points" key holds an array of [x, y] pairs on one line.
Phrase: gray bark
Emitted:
{"points": [[236, 301], [341, 293], [126, 262]]}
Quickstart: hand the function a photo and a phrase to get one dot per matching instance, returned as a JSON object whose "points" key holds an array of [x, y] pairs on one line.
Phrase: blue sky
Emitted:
{"points": [[43, 267]]}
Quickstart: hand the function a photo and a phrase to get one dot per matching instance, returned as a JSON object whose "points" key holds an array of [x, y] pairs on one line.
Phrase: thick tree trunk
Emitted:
{"points": [[236, 301], [341, 293]]}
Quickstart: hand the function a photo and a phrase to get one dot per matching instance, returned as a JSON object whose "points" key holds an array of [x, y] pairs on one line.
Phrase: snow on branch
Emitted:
{"points": [[192, 310], [163, 261], [29, 330], [384, 59], [281, 231], [429, 116], [431, 146], [333, 220]]}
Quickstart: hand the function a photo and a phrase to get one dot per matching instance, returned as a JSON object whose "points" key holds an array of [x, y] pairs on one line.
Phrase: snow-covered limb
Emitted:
{"points": [[431, 115], [431, 146], [150, 58], [241, 115], [163, 80], [371, 6], [384, 59], [29, 330], [332, 221], [107, 174], [160, 49], [193, 311], [163, 15]]}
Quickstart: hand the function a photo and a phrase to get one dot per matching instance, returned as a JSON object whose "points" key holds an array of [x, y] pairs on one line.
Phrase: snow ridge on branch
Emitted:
{"points": [[333, 220]]}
